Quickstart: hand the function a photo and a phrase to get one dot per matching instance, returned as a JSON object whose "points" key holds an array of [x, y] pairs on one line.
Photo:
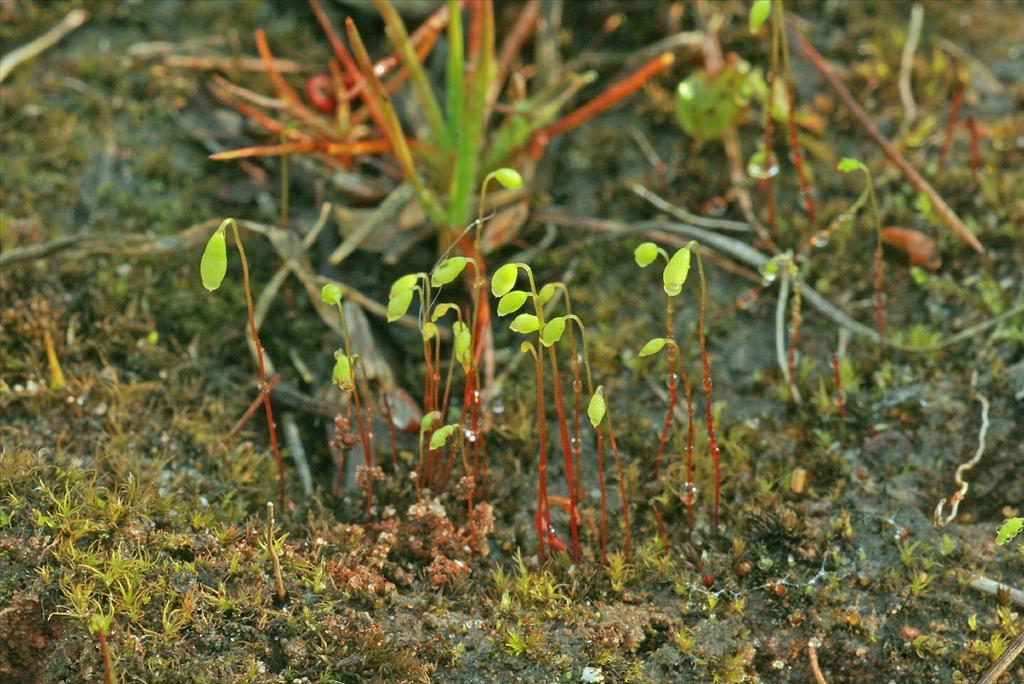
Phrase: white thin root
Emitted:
{"points": [[907, 63], [960, 493], [34, 48]]}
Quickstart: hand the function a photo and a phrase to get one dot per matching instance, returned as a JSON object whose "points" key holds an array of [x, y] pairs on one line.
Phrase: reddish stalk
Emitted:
{"points": [[563, 432], [611, 96], [108, 663], [271, 426], [797, 152], [672, 381], [618, 468], [708, 416], [251, 410], [794, 337], [604, 500], [364, 438], [972, 128], [954, 113], [840, 401], [543, 517], [391, 429]]}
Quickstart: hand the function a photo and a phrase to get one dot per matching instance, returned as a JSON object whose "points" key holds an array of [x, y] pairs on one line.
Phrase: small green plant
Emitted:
{"points": [[674, 275], [212, 268], [1010, 528]]}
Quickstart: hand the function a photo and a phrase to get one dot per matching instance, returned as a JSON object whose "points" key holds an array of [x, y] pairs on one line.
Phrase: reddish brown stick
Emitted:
{"points": [[543, 518], [662, 530], [708, 415], [618, 469], [942, 209], [563, 431], [972, 127], [251, 410], [798, 155]]}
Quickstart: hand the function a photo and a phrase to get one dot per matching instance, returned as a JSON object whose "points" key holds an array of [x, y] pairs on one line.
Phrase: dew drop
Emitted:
{"points": [[769, 278], [576, 445], [673, 381], [577, 386], [688, 493]]}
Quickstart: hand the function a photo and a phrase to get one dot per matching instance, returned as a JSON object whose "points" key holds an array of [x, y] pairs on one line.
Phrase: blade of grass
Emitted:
{"points": [[395, 28], [392, 128], [455, 71], [467, 156]]}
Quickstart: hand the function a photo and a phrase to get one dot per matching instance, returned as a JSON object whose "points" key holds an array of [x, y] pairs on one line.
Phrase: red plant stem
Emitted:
{"points": [[577, 389], [251, 410], [614, 94], [618, 468], [271, 427], [797, 152], [391, 428], [563, 431], [108, 663], [708, 415], [543, 517], [690, 426], [972, 128], [840, 401], [363, 437], [604, 501], [662, 530], [939, 205], [954, 113], [672, 381], [794, 336], [344, 449]]}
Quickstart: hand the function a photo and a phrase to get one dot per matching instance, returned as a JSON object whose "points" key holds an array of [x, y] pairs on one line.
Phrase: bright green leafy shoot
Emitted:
{"points": [[512, 302], [848, 164], [1010, 528], [654, 346], [546, 293], [342, 373], [525, 323], [463, 343], [759, 13], [504, 279], [214, 264], [676, 270], [441, 435], [448, 270], [553, 331], [596, 408], [331, 294], [646, 252]]}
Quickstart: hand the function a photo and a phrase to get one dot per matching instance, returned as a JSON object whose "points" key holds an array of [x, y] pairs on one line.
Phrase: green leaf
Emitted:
{"points": [[524, 323], [214, 264], [848, 164], [1010, 528], [553, 331], [448, 270], [406, 282], [429, 420], [546, 293], [645, 253], [342, 373], [463, 342], [441, 309], [525, 346], [653, 346], [429, 331], [441, 435], [330, 294], [510, 178], [398, 304], [511, 302], [770, 271], [596, 407], [759, 13], [676, 271], [504, 279]]}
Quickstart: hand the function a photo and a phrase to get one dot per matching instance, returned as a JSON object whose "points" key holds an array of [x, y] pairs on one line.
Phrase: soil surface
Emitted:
{"points": [[126, 511]]}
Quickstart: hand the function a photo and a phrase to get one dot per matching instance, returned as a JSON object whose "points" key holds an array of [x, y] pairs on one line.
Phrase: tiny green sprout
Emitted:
{"points": [[596, 408], [654, 346], [398, 304], [524, 323], [546, 293], [99, 623], [441, 435], [429, 331], [1010, 528], [527, 346], [406, 282], [463, 343], [342, 373], [553, 331], [214, 264], [504, 279], [429, 420], [676, 270], [759, 13], [510, 178], [512, 302], [330, 294], [848, 165], [448, 270], [646, 252], [441, 309]]}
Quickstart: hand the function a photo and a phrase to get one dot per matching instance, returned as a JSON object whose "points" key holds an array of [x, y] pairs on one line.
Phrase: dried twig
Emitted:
{"points": [[942, 209], [990, 586], [34, 48], [999, 667], [780, 335], [962, 484]]}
